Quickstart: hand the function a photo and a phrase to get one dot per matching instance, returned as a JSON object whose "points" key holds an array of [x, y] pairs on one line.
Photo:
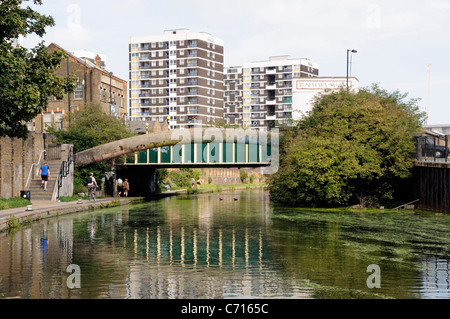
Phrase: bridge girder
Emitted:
{"points": [[160, 139]]}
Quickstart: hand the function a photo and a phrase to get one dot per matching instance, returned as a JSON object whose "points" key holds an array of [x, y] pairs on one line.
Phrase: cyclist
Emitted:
{"points": [[92, 185]]}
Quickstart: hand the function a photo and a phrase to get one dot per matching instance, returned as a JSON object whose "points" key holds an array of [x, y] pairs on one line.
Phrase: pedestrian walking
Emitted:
{"points": [[45, 174], [119, 187], [126, 187]]}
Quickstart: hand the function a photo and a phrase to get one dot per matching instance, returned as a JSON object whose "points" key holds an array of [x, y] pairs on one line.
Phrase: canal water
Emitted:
{"points": [[233, 244]]}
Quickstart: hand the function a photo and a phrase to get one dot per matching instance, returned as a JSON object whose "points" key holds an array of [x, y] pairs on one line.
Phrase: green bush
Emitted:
{"points": [[182, 178], [79, 185], [243, 175]]}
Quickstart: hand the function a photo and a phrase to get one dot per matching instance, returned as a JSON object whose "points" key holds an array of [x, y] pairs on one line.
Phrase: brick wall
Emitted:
{"points": [[16, 157]]}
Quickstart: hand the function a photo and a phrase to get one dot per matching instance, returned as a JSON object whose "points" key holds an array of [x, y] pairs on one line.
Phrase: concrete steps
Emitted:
{"points": [[37, 192]]}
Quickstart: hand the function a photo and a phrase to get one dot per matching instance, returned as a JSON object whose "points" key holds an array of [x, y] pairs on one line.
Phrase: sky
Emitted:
{"points": [[396, 40]]}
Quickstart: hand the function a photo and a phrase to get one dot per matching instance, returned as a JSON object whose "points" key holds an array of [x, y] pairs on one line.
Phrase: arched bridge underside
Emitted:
{"points": [[207, 147]]}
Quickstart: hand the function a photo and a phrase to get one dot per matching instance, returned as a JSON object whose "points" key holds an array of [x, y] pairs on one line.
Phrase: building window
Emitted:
{"points": [[79, 91]]}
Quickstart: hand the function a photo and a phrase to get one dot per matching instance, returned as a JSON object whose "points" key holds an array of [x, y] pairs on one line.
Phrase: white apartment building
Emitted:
{"points": [[176, 77], [259, 95]]}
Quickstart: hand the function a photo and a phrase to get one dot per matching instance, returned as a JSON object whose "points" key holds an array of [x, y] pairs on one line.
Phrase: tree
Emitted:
{"points": [[27, 77], [91, 127], [350, 145]]}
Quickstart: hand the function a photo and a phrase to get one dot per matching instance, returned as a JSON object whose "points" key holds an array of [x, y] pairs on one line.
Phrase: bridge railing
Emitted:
{"points": [[432, 148], [204, 153]]}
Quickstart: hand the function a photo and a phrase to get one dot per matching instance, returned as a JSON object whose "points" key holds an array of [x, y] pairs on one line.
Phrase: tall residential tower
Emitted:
{"points": [[176, 77], [259, 94]]}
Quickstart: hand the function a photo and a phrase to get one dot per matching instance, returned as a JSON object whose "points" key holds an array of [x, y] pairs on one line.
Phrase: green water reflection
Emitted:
{"points": [[228, 245]]}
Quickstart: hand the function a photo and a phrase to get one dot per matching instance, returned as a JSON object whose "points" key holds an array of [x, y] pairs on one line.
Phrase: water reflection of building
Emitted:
{"points": [[159, 251], [33, 256], [436, 277]]}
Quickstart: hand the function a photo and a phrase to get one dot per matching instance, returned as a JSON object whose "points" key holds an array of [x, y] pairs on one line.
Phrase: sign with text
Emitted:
{"points": [[320, 85]]}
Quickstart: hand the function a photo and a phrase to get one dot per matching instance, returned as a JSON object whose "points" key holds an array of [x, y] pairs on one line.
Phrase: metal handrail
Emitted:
{"points": [[64, 169], [31, 170]]}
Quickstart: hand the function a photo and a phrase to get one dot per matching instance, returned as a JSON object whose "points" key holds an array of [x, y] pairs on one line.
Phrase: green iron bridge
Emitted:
{"points": [[206, 147], [139, 157], [204, 155]]}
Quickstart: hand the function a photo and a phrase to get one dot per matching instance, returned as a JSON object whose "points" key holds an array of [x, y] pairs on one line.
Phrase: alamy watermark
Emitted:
{"points": [[374, 16], [374, 280], [235, 135], [73, 280]]}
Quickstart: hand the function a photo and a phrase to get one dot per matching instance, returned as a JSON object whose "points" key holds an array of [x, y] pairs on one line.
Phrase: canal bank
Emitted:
{"points": [[44, 209]]}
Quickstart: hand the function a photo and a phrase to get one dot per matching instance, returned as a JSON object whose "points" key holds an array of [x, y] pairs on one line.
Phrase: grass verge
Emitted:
{"points": [[13, 203]]}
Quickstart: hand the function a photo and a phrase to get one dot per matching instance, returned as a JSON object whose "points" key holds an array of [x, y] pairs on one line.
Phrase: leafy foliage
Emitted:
{"points": [[349, 146], [182, 177], [91, 127], [27, 77]]}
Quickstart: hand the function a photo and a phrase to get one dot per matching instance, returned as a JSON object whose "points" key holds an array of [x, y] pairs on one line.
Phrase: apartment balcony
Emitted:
{"points": [[192, 102], [271, 71], [271, 87], [192, 44], [192, 73], [192, 83], [192, 92], [144, 66], [287, 70], [271, 117], [271, 102], [192, 63], [144, 48]]}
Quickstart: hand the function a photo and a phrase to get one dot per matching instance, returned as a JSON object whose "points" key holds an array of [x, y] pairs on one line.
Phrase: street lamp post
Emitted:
{"points": [[349, 51]]}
